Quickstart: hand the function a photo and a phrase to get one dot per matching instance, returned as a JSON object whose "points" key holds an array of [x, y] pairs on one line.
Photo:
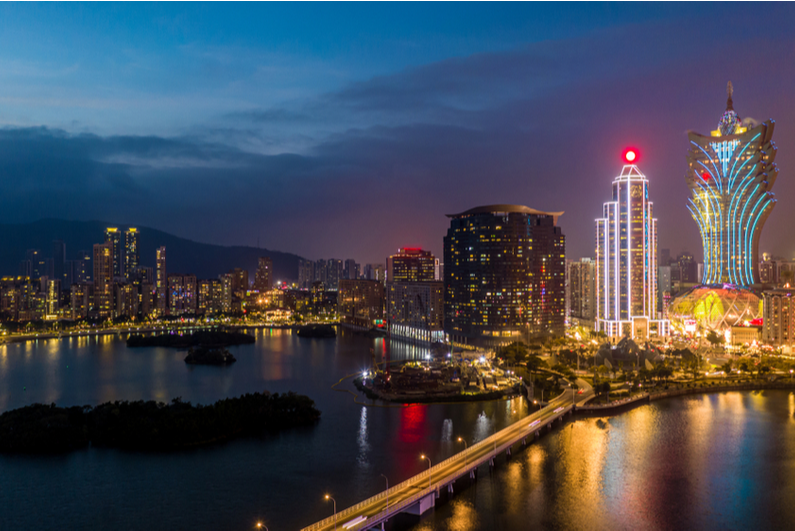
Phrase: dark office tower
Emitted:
{"points": [[333, 273], [131, 256], [263, 277], [411, 264], [34, 265], [504, 274], [58, 260], [664, 258], [306, 273], [161, 282], [82, 267], [103, 279], [321, 272], [239, 281], [350, 270], [113, 236]]}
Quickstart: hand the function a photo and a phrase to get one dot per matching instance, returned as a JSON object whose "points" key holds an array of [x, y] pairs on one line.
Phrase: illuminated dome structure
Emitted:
{"points": [[714, 308]]}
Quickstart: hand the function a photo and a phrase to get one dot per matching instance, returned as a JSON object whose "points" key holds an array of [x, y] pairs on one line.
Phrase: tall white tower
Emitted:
{"points": [[626, 259]]}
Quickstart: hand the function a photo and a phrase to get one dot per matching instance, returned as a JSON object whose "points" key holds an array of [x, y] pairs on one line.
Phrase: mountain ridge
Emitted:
{"points": [[183, 255]]}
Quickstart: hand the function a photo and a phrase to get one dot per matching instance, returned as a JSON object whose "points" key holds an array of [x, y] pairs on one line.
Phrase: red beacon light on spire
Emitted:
{"points": [[630, 155]]}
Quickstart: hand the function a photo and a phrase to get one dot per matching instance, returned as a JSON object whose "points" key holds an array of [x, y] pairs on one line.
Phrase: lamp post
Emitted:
{"points": [[790, 376], [423, 456], [260, 525], [466, 450], [335, 510], [387, 491]]}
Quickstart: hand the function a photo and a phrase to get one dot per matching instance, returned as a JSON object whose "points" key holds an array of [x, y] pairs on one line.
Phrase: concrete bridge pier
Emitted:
{"points": [[491, 462], [472, 474], [450, 488], [538, 434], [524, 441], [423, 505], [508, 451]]}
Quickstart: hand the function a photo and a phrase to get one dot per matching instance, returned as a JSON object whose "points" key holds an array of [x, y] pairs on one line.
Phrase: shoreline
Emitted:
{"points": [[22, 338], [646, 398], [481, 397]]}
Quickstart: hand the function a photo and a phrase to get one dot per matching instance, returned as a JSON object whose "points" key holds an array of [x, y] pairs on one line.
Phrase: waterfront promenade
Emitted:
{"points": [[418, 493]]}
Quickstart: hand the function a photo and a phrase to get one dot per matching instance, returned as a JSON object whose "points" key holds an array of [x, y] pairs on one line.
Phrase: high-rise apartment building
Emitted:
{"points": [[626, 259], [411, 264], [730, 175], [263, 277], [360, 303], [333, 274], [113, 236], [131, 252], [161, 282], [59, 260], [778, 316], [306, 273], [415, 310], [351, 269], [504, 271], [582, 289], [182, 296], [103, 279], [210, 297]]}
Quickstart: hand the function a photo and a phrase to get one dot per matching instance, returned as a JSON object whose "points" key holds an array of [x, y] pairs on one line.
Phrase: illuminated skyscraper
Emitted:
{"points": [[103, 279], [504, 275], [626, 259], [113, 236], [161, 282], [730, 175], [131, 255]]}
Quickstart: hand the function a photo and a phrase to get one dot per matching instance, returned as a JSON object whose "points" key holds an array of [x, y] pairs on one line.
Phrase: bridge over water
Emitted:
{"points": [[419, 493]]}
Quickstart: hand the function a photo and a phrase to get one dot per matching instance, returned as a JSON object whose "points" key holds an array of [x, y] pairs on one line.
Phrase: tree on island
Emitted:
{"points": [[514, 353], [714, 338]]}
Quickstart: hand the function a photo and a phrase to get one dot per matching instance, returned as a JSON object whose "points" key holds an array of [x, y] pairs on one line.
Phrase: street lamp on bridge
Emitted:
{"points": [[466, 450], [335, 510], [387, 490], [423, 456]]}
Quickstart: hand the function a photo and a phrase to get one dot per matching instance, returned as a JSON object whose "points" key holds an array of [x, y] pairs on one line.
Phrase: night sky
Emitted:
{"points": [[349, 130]]}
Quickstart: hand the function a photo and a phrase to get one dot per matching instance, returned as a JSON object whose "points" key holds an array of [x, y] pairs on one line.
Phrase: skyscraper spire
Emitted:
{"points": [[729, 91]]}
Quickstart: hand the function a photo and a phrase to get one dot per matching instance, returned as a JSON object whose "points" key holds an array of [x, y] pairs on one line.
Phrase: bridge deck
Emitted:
{"points": [[429, 482]]}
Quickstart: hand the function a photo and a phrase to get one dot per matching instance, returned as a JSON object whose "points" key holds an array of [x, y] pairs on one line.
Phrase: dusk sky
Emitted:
{"points": [[349, 130]]}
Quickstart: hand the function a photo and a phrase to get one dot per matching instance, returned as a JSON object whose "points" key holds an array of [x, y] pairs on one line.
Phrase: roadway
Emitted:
{"points": [[401, 496]]}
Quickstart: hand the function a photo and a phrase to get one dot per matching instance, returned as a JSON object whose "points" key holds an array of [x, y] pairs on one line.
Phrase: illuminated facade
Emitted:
{"points": [[161, 282], [360, 303], [504, 275], [714, 308], [131, 254], [778, 324], [415, 310], [113, 237], [730, 174], [411, 264], [626, 260]]}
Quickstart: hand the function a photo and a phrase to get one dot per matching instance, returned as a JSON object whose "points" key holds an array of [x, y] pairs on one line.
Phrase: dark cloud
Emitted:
{"points": [[382, 161]]}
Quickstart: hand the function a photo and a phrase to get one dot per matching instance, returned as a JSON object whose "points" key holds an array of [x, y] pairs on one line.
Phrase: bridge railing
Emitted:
{"points": [[460, 456]]}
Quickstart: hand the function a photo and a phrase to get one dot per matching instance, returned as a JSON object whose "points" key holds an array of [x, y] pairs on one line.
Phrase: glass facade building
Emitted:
{"points": [[626, 261], [730, 175], [504, 275]]}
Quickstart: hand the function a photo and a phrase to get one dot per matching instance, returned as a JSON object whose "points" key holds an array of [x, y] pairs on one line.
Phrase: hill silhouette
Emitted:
{"points": [[182, 255]]}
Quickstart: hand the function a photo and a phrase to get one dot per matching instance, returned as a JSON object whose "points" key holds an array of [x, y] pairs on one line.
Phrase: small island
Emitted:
{"points": [[209, 356], [150, 425], [204, 338], [317, 331], [439, 381]]}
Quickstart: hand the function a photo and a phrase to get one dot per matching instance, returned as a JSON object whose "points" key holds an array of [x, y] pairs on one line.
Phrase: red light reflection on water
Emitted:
{"points": [[412, 423]]}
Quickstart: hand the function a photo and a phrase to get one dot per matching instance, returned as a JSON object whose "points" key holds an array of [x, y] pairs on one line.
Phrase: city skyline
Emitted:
{"points": [[418, 108]]}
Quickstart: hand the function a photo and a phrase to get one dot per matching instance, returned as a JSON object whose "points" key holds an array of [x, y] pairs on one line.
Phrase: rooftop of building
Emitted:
{"points": [[509, 209]]}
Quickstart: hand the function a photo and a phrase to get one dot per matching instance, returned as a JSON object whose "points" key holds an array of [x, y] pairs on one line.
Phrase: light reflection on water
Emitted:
{"points": [[721, 461], [705, 462]]}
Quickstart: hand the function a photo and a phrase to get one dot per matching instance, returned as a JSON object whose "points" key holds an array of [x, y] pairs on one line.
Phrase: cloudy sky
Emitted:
{"points": [[349, 130]]}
